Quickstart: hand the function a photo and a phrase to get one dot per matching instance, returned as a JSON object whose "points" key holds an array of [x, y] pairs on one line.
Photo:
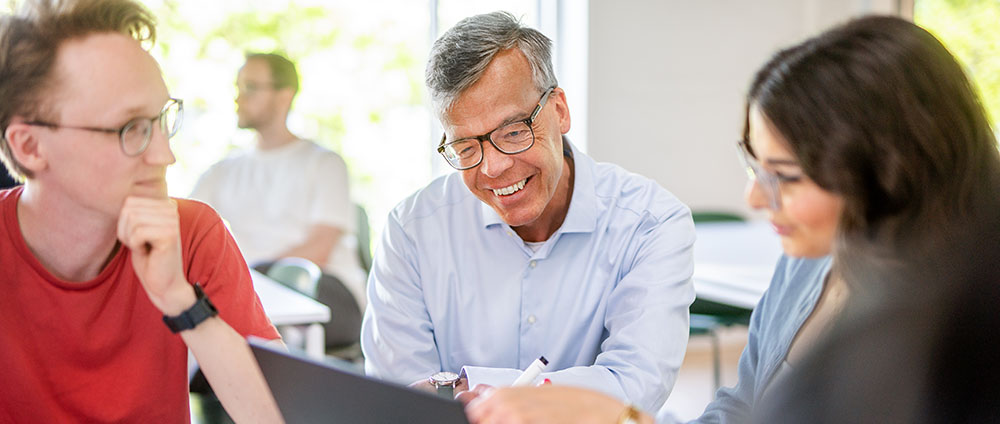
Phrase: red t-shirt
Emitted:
{"points": [[98, 351]]}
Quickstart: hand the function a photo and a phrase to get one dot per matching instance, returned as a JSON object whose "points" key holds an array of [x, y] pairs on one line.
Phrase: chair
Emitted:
{"points": [[297, 273], [715, 216], [301, 275], [343, 330], [708, 317]]}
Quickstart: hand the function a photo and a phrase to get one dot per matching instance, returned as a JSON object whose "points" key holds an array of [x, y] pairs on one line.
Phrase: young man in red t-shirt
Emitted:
{"points": [[94, 257]]}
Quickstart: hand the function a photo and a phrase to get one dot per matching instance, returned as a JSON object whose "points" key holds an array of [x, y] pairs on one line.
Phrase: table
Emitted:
{"points": [[285, 306], [734, 261]]}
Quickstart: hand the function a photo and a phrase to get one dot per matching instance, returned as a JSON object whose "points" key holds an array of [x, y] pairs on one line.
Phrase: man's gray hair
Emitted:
{"points": [[459, 58]]}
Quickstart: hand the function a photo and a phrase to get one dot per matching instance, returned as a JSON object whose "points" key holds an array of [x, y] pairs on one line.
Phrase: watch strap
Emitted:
{"points": [[446, 390], [201, 310]]}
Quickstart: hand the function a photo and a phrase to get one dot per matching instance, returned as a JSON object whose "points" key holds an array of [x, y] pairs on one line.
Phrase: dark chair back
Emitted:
{"points": [[344, 327], [297, 273]]}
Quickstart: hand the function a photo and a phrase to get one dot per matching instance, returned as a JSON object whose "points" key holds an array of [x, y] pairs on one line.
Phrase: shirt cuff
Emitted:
{"points": [[496, 377]]}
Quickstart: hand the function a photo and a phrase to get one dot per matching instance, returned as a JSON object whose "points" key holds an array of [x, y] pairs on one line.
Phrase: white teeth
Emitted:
{"points": [[513, 188]]}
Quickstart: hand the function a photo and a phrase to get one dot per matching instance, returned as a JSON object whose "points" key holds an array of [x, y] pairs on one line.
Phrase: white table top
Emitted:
{"points": [[285, 306], [734, 261]]}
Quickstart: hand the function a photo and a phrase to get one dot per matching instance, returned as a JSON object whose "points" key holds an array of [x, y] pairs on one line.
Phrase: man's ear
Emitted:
{"points": [[287, 96], [24, 146], [558, 97]]}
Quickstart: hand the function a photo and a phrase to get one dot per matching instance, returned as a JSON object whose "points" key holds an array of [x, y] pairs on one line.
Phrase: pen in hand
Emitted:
{"points": [[531, 373]]}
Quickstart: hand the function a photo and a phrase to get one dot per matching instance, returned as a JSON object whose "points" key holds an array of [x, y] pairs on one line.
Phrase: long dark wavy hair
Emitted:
{"points": [[879, 112]]}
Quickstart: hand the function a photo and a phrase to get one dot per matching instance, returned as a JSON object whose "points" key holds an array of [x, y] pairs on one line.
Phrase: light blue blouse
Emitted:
{"points": [[795, 288]]}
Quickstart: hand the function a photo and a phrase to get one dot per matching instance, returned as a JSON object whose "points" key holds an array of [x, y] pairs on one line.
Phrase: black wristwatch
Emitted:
{"points": [[445, 383], [203, 309]]}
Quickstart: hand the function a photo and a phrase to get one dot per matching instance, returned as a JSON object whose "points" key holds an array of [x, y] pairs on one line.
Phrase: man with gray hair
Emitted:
{"points": [[533, 248]]}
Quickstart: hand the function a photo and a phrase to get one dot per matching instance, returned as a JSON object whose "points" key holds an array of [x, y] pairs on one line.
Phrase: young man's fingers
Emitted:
{"points": [[148, 239]]}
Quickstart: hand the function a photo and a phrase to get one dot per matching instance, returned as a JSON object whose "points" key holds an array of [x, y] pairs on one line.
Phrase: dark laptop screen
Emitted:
{"points": [[308, 391]]}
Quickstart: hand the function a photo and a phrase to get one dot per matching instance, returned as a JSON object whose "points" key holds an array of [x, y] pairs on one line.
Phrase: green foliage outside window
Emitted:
{"points": [[971, 30], [361, 84]]}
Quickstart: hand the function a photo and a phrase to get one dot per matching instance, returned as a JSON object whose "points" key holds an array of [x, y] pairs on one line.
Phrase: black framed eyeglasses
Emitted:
{"points": [[515, 137], [136, 134]]}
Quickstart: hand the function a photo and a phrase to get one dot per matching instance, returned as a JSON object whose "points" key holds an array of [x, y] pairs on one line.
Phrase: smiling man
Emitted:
{"points": [[107, 282], [532, 248]]}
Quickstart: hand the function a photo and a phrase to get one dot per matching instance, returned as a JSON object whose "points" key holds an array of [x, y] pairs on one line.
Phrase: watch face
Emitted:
{"points": [[444, 378]]}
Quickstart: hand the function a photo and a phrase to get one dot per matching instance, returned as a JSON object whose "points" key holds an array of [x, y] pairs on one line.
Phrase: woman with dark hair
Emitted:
{"points": [[870, 151]]}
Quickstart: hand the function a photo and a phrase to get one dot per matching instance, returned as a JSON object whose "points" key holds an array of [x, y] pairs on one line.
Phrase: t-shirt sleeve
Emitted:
{"points": [[212, 258], [331, 199], [204, 188]]}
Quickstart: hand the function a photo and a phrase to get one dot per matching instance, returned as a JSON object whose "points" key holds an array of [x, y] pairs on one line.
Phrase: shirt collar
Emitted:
{"points": [[582, 215]]}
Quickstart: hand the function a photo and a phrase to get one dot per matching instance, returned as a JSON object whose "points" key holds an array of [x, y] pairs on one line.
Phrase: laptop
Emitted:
{"points": [[309, 391]]}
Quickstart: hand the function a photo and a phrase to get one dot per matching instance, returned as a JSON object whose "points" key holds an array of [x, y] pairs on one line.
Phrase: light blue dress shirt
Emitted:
{"points": [[788, 302], [605, 299]]}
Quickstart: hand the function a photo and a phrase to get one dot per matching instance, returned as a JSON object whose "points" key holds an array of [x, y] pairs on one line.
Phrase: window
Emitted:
{"points": [[969, 30], [361, 91], [361, 68]]}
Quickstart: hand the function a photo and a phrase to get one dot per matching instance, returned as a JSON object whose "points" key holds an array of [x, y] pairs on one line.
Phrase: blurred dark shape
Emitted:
{"points": [[919, 342], [6, 181]]}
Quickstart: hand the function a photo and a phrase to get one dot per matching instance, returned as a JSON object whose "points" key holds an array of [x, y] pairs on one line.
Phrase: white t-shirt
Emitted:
{"points": [[534, 245], [270, 199]]}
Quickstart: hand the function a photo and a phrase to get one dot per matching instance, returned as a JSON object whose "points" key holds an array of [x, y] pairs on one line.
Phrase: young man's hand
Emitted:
{"points": [[150, 229]]}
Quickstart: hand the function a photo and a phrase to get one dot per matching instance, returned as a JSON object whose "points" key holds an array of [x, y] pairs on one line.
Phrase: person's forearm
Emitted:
{"points": [[550, 403], [316, 256], [595, 377], [318, 247], [228, 364]]}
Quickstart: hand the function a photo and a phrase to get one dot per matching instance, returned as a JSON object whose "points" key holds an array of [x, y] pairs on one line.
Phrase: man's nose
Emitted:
{"points": [[158, 152], [494, 161]]}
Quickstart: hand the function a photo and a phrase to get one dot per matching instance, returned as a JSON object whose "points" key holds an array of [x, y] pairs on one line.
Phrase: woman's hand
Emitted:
{"points": [[543, 404]]}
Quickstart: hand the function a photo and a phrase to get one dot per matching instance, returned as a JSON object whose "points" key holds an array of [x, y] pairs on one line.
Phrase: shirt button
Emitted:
{"points": [[510, 233], [532, 264], [531, 319]]}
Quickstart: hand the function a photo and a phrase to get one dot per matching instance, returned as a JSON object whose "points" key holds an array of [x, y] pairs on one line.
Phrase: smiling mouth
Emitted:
{"points": [[511, 189]]}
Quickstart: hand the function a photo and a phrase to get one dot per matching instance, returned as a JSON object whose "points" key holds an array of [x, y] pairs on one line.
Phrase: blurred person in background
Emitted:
{"points": [[919, 345], [288, 197]]}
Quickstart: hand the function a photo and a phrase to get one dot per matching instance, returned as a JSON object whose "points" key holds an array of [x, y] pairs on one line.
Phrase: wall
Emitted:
{"points": [[667, 80]]}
